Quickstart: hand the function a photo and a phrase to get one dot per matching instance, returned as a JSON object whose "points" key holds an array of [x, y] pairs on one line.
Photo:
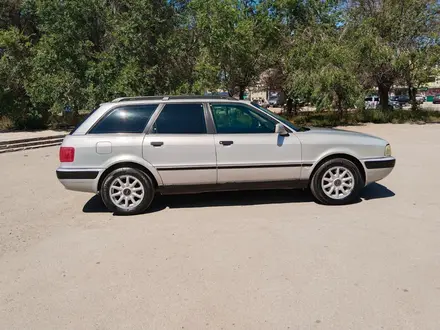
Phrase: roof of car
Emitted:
{"points": [[174, 98]]}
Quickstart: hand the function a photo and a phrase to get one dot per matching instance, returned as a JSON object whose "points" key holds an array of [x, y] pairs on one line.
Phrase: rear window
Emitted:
{"points": [[82, 121], [127, 119]]}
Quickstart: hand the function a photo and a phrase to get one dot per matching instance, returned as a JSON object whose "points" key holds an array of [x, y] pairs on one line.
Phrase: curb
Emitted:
{"points": [[33, 143]]}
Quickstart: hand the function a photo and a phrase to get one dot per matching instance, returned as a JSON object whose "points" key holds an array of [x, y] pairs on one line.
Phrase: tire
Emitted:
{"points": [[134, 198], [326, 177]]}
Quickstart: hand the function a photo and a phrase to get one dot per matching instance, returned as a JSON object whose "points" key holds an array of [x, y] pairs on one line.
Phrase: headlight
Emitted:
{"points": [[388, 151]]}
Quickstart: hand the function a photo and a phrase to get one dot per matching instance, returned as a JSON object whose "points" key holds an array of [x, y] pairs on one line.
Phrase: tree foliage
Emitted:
{"points": [[59, 54]]}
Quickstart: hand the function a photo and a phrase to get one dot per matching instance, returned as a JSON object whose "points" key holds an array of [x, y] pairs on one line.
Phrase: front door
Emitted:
{"points": [[249, 150], [179, 146]]}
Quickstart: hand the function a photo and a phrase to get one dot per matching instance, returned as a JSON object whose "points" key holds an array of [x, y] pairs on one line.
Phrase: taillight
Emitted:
{"points": [[67, 154]]}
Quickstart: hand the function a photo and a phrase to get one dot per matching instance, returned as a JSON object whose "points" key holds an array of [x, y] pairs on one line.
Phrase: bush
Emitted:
{"points": [[31, 120], [332, 119]]}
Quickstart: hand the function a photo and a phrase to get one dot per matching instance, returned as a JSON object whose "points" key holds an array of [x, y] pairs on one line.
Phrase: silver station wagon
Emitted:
{"points": [[131, 149]]}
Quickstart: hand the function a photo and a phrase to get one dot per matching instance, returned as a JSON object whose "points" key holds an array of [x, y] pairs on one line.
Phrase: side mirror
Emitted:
{"points": [[281, 130]]}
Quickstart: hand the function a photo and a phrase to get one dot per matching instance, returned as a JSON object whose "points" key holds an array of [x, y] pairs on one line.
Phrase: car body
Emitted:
{"points": [[403, 99], [371, 102], [395, 105], [436, 99], [273, 101], [135, 147], [420, 99], [276, 98], [261, 102]]}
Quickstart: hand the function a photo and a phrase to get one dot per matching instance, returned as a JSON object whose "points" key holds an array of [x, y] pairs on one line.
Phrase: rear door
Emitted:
{"points": [[180, 147], [249, 150]]}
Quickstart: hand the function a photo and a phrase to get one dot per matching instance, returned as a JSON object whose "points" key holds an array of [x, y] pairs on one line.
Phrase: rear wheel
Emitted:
{"points": [[127, 191], [337, 182]]}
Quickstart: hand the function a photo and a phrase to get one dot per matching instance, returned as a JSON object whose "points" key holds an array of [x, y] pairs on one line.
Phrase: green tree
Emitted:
{"points": [[320, 64], [388, 36], [14, 67], [235, 36]]}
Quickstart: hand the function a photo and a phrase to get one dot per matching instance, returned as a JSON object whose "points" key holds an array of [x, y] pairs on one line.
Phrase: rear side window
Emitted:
{"points": [[128, 119], [181, 119]]}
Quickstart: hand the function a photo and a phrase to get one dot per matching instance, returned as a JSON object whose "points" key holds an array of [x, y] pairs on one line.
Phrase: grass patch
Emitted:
{"points": [[332, 119]]}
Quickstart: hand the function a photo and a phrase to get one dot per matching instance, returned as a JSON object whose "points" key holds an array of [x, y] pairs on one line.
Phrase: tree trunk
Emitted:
{"points": [[413, 99], [289, 106], [295, 107], [242, 92], [384, 90], [340, 108]]}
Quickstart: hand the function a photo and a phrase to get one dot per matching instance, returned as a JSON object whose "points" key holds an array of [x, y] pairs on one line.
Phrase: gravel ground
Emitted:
{"points": [[253, 260]]}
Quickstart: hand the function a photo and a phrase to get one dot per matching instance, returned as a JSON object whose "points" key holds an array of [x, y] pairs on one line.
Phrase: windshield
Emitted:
{"points": [[281, 119]]}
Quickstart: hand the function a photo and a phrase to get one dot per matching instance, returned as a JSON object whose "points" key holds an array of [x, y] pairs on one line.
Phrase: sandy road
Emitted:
{"points": [[258, 260]]}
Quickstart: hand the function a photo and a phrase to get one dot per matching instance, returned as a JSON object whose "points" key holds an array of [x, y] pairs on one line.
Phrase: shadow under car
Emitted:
{"points": [[237, 198]]}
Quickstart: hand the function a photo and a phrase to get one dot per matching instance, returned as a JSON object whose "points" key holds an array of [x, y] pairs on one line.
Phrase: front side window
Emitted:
{"points": [[128, 119], [240, 119], [281, 119], [185, 118]]}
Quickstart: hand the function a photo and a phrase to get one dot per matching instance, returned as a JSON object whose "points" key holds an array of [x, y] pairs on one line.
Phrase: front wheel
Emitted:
{"points": [[337, 182], [127, 191]]}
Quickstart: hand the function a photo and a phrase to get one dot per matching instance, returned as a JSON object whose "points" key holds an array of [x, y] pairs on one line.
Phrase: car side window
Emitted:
{"points": [[240, 119], [184, 118], [127, 119]]}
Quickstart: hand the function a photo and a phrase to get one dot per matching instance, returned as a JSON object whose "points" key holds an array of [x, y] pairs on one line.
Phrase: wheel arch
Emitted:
{"points": [[349, 157], [127, 164]]}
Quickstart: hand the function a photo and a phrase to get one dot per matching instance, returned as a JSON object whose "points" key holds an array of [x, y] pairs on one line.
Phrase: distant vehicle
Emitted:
{"points": [[371, 102], [261, 102], [394, 104], [273, 101], [130, 149], [276, 99], [420, 99], [436, 99], [403, 99]]}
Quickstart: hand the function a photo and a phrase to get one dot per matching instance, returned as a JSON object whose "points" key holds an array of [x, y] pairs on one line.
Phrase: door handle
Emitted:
{"points": [[157, 144], [226, 143]]}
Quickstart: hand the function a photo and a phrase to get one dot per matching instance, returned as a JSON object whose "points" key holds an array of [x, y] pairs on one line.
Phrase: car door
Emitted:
{"points": [[180, 147], [249, 150]]}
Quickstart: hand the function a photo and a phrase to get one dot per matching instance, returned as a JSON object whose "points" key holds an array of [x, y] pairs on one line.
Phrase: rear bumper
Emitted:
{"points": [[79, 179], [378, 168]]}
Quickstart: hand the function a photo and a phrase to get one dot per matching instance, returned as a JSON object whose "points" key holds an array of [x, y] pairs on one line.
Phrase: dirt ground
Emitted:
{"points": [[252, 260]]}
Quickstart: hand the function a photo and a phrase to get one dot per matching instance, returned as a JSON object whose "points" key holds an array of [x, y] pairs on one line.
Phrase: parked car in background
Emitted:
{"points": [[403, 99], [261, 102], [420, 99], [273, 101], [394, 104], [131, 149], [371, 102], [276, 99], [436, 99]]}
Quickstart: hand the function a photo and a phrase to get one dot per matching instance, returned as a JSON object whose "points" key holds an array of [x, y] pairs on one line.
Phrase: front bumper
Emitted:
{"points": [[378, 168], [79, 179]]}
